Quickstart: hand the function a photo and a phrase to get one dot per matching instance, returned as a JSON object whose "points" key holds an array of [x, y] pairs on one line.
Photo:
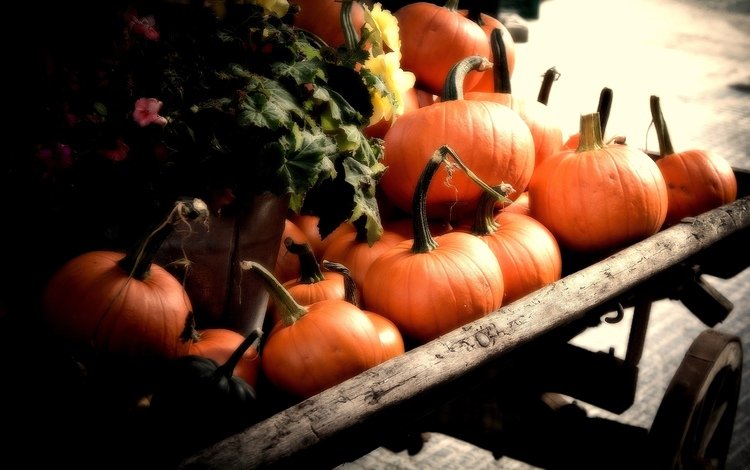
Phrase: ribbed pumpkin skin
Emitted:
{"points": [[546, 133], [428, 294], [358, 255], [322, 17], [528, 253], [599, 199], [697, 181], [91, 301], [491, 139], [332, 342], [433, 39]]}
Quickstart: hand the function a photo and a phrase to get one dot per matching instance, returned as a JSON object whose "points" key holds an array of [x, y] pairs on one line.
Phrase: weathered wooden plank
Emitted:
{"points": [[337, 410]]}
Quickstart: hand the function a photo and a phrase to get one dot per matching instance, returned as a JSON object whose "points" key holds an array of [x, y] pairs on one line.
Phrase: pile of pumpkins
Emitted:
{"points": [[451, 251]]}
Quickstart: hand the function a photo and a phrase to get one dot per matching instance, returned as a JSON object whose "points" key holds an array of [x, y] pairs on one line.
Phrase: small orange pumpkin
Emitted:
{"points": [[697, 180], [600, 196]]}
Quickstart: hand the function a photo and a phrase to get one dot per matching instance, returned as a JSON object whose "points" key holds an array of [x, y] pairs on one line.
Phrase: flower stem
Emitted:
{"points": [[350, 34]]}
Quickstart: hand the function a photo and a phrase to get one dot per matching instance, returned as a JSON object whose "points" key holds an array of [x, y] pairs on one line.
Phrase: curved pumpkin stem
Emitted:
{"points": [[251, 340], [604, 107], [660, 125], [423, 239], [137, 261], [474, 12], [549, 77], [453, 88], [590, 133], [350, 34], [309, 269], [350, 286], [452, 5], [501, 70], [289, 309], [484, 219]]}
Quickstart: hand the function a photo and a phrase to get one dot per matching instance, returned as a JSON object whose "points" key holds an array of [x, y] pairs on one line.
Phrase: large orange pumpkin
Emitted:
{"points": [[123, 304], [317, 346], [430, 285], [600, 196], [697, 180], [491, 138], [433, 38]]}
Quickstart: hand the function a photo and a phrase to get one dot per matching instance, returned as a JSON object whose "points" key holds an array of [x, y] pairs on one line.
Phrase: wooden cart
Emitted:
{"points": [[500, 382]]}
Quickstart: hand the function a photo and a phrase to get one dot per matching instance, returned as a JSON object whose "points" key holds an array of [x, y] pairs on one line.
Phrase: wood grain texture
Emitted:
{"points": [[351, 405]]}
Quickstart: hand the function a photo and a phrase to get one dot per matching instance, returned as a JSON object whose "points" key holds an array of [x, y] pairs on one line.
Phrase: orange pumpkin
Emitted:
{"points": [[697, 180], [528, 253], [493, 140], [433, 38], [353, 251], [323, 18], [317, 346], [122, 304], [430, 285], [218, 344], [600, 196]]}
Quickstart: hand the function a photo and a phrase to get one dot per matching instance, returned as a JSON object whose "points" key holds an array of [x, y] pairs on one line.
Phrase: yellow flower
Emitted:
{"points": [[383, 27], [389, 104], [277, 7]]}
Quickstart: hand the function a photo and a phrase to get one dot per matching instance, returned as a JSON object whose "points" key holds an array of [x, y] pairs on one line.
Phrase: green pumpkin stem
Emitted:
{"points": [[604, 107], [474, 12], [590, 133], [289, 309], [452, 5], [549, 77], [350, 286], [484, 219], [309, 269], [660, 125], [501, 70], [453, 88], [251, 340], [350, 34], [424, 242], [137, 261]]}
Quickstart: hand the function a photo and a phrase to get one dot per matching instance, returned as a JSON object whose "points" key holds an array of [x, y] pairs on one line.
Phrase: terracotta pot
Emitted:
{"points": [[207, 257]]}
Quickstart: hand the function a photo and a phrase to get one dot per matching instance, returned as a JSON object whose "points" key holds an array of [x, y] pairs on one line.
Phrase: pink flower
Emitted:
{"points": [[147, 112], [145, 27]]}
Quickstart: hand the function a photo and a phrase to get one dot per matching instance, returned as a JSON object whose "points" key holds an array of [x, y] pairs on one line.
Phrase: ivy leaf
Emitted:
{"points": [[267, 104], [363, 180], [304, 160], [302, 72]]}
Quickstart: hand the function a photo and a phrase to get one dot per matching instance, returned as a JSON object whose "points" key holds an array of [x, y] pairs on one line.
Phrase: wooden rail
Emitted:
{"points": [[348, 408]]}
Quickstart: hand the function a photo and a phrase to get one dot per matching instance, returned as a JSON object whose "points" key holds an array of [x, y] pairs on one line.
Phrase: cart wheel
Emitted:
{"points": [[693, 426]]}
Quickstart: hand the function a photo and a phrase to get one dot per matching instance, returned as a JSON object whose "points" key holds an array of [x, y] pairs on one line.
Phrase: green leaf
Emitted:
{"points": [[302, 72], [304, 161], [267, 104], [363, 180]]}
